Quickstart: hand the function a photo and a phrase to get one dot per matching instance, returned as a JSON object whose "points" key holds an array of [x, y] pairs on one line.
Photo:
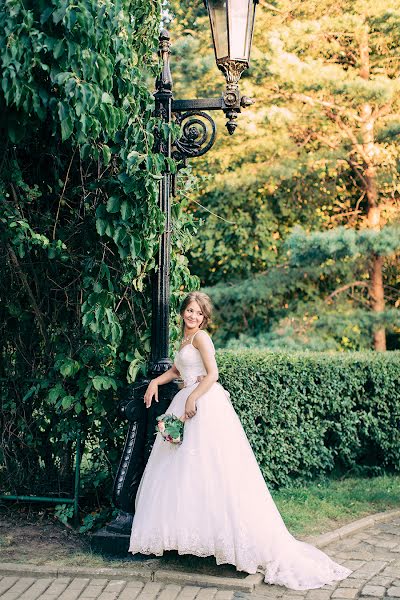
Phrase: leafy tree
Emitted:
{"points": [[352, 107], [79, 226], [319, 149]]}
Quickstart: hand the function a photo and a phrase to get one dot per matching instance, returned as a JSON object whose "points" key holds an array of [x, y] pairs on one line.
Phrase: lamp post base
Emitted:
{"points": [[114, 537]]}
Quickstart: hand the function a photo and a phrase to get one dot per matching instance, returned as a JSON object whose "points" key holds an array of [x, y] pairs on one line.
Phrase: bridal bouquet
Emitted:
{"points": [[171, 428]]}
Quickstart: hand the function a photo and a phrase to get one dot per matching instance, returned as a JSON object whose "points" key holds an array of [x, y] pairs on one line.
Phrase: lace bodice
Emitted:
{"points": [[189, 363]]}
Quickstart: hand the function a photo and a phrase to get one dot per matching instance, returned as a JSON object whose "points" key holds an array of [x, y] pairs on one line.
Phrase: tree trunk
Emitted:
{"points": [[376, 289], [377, 299]]}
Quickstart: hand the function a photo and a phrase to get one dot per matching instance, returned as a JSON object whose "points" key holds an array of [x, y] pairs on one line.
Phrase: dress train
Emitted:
{"points": [[207, 497]]}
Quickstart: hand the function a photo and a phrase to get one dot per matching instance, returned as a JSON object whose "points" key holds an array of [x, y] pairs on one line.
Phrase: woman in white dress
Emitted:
{"points": [[207, 497]]}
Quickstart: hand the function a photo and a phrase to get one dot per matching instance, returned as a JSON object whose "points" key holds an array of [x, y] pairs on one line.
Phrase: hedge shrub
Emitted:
{"points": [[311, 414]]}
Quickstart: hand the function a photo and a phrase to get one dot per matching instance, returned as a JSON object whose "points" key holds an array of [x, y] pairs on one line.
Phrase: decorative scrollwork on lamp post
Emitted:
{"points": [[198, 135]]}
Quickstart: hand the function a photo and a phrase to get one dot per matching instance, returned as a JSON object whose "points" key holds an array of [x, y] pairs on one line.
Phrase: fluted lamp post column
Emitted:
{"points": [[232, 23]]}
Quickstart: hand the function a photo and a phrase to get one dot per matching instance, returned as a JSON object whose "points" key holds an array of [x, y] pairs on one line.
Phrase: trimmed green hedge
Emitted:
{"points": [[310, 414]]}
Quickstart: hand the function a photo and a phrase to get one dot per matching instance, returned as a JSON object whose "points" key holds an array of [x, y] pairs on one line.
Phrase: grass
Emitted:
{"points": [[36, 537], [320, 507]]}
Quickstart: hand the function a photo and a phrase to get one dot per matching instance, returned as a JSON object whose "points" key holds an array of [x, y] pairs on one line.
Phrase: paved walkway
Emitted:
{"points": [[373, 554]]}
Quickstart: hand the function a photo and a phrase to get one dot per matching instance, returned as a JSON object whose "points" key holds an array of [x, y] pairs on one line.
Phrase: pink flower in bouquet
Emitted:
{"points": [[170, 428]]}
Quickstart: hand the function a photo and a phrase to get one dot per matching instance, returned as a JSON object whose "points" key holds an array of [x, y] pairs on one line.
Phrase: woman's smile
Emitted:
{"points": [[193, 315]]}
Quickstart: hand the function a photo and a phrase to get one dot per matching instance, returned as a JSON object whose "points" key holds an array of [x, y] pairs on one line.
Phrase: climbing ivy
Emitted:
{"points": [[79, 227]]}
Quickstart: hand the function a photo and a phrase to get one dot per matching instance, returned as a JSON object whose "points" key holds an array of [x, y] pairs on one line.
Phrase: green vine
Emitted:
{"points": [[79, 226]]}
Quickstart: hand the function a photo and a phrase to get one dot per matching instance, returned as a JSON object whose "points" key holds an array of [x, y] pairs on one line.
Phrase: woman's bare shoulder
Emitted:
{"points": [[202, 338], [201, 334]]}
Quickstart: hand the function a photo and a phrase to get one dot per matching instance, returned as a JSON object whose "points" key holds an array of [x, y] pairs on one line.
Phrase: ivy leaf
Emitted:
{"points": [[30, 393], [101, 226], [135, 245], [106, 98], [67, 402], [113, 204], [45, 15], [59, 14], [58, 51], [85, 151], [126, 211], [103, 382], [55, 392], [106, 154], [133, 370], [69, 367], [65, 121], [60, 79]]}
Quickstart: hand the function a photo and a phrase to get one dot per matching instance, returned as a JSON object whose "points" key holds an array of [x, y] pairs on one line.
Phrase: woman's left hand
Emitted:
{"points": [[190, 408]]}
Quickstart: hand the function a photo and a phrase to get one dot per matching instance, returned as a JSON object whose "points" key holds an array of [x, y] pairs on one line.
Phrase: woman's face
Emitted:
{"points": [[193, 316]]}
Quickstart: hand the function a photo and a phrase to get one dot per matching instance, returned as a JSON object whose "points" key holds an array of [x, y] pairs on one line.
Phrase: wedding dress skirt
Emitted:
{"points": [[208, 497]]}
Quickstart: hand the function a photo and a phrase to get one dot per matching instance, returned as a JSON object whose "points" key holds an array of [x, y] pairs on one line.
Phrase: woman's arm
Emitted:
{"points": [[152, 388], [206, 349]]}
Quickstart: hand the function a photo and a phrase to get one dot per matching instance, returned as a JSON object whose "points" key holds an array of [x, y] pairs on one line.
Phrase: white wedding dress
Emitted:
{"points": [[208, 497]]}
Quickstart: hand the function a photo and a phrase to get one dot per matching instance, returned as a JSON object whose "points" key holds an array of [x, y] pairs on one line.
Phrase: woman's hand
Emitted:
{"points": [[190, 408], [152, 390]]}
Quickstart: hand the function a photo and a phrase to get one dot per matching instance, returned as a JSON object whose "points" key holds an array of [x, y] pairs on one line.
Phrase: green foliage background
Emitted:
{"points": [[309, 415], [80, 223], [79, 229], [295, 166]]}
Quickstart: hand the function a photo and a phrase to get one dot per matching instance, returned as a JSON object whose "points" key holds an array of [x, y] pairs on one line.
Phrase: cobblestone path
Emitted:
{"points": [[373, 554], [67, 588]]}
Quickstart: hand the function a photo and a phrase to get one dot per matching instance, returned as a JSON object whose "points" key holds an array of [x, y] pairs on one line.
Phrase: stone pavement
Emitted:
{"points": [[373, 554], [67, 588]]}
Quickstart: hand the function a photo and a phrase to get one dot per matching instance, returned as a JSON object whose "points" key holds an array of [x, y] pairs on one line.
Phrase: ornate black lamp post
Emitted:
{"points": [[232, 23]]}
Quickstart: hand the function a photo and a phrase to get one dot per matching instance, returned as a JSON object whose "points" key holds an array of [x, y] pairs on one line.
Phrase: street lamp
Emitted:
{"points": [[232, 23], [232, 26]]}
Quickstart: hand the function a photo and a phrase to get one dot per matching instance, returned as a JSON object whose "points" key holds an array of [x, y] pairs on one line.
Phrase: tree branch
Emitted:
{"points": [[349, 134], [343, 288], [272, 7], [62, 194], [325, 104], [356, 169], [382, 111], [28, 290]]}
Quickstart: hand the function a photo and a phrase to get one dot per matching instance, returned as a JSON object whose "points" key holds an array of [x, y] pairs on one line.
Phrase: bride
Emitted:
{"points": [[207, 497]]}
